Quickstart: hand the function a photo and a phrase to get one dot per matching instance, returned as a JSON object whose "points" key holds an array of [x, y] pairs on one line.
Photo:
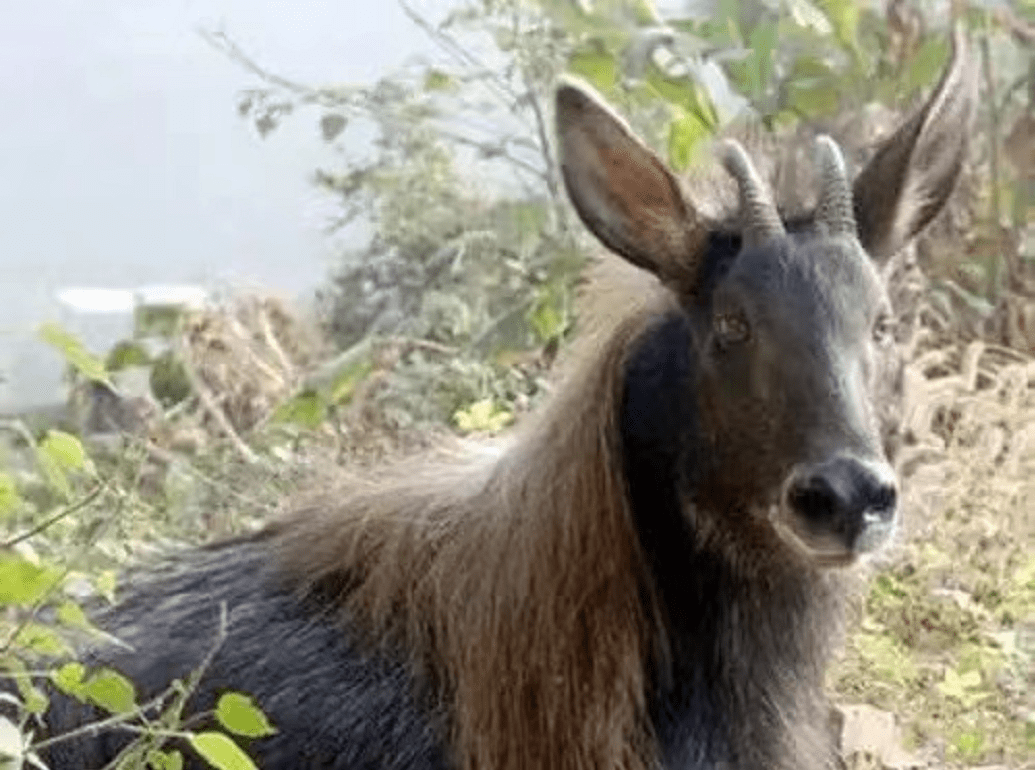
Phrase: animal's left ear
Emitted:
{"points": [[912, 175]]}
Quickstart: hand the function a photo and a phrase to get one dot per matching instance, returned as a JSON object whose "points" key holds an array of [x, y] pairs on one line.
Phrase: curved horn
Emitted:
{"points": [[762, 221], [834, 209]]}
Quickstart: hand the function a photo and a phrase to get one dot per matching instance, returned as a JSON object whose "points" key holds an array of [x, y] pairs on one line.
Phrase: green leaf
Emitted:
{"points": [[57, 455], [307, 409], [10, 500], [164, 760], [105, 583], [962, 687], [437, 80], [888, 659], [111, 691], [126, 354], [596, 64], [42, 640], [34, 699], [547, 315], [844, 16], [806, 15], [926, 64], [969, 744], [69, 679], [240, 716], [643, 12], [54, 474], [169, 380], [221, 752], [71, 615], [888, 586], [348, 379], [65, 449], [22, 582], [684, 134], [83, 361], [331, 126], [684, 93], [763, 41], [815, 100], [482, 417]]}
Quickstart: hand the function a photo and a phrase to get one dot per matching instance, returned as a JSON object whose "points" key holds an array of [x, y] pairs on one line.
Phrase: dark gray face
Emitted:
{"points": [[793, 343], [796, 352]]}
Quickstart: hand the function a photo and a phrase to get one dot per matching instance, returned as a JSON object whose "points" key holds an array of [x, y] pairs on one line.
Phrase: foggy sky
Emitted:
{"points": [[124, 162]]}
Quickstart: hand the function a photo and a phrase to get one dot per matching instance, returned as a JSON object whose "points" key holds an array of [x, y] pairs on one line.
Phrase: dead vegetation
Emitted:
{"points": [[946, 638]]}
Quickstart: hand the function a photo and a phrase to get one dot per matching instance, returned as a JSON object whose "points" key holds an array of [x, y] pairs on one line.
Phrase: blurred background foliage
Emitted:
{"points": [[471, 244], [447, 318]]}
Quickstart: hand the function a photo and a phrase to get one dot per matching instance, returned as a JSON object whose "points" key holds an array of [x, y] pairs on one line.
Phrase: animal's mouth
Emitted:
{"points": [[826, 549]]}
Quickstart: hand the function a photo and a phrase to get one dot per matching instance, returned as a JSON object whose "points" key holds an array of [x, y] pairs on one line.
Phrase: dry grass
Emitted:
{"points": [[947, 634]]}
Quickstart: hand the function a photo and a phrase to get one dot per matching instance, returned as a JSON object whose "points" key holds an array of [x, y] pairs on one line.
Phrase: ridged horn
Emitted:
{"points": [[762, 223], [834, 210]]}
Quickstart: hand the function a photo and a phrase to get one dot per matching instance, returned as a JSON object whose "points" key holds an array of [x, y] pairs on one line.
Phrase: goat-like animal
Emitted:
{"points": [[648, 573]]}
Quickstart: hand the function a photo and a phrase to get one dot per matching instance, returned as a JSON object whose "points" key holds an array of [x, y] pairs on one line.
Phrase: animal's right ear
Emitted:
{"points": [[622, 191], [912, 175]]}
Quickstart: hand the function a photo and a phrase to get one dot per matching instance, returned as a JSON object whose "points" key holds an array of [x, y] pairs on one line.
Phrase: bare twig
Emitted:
{"points": [[336, 96], [506, 95], [210, 405], [273, 343], [996, 281], [1022, 30], [92, 495], [93, 727]]}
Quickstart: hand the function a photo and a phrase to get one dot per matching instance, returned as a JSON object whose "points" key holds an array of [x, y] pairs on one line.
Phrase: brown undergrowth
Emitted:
{"points": [[946, 638]]}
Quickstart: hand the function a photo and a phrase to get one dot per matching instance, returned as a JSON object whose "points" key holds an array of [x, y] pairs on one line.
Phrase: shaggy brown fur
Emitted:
{"points": [[514, 582]]}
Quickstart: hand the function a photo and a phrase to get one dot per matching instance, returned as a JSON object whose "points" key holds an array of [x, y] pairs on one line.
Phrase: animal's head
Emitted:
{"points": [[790, 321]]}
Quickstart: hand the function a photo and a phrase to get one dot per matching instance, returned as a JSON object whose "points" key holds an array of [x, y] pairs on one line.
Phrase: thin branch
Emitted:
{"points": [[328, 97], [1022, 30], [506, 95], [46, 523], [270, 337], [94, 727], [500, 151], [996, 280], [552, 175], [171, 693], [222, 42], [210, 405]]}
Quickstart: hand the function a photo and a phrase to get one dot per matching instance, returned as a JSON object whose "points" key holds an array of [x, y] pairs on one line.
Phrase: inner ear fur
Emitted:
{"points": [[909, 179], [623, 192]]}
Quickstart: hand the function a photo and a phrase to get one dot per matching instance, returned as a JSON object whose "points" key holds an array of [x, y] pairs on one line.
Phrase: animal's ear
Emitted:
{"points": [[623, 191], [913, 173]]}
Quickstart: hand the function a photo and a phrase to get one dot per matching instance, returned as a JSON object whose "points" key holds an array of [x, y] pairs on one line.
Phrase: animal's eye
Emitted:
{"points": [[884, 329], [730, 328]]}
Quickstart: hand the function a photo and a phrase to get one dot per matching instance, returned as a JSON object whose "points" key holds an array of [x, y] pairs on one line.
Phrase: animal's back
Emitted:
{"points": [[332, 704]]}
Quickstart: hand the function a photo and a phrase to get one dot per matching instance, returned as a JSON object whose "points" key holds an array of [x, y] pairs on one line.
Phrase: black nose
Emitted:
{"points": [[845, 497]]}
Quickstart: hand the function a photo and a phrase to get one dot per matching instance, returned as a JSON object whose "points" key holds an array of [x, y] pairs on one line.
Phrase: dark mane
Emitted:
{"points": [[515, 583]]}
